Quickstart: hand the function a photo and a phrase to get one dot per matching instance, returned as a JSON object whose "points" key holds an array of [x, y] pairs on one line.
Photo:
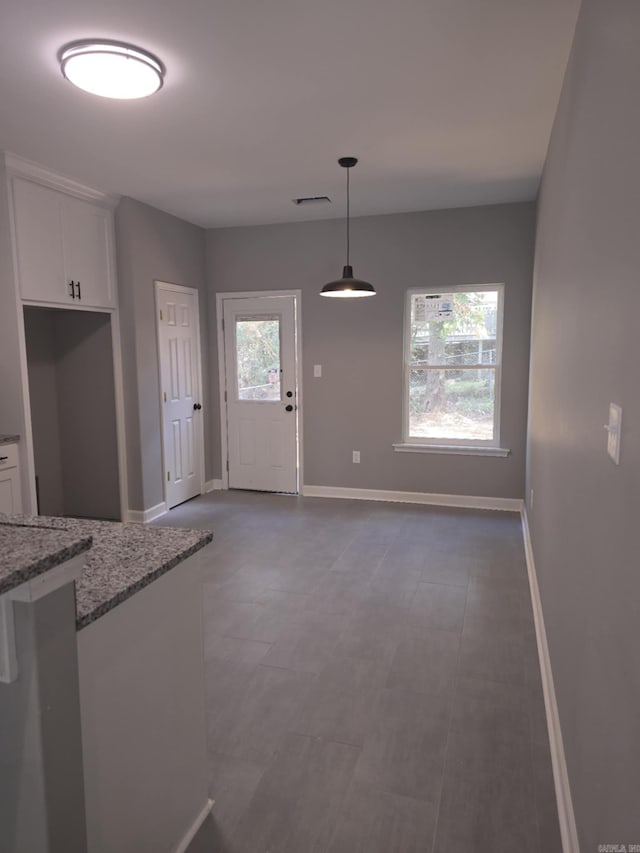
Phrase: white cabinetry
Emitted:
{"points": [[10, 493], [63, 246]]}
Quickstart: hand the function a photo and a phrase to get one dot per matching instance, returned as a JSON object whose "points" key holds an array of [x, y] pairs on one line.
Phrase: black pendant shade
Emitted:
{"points": [[348, 287]]}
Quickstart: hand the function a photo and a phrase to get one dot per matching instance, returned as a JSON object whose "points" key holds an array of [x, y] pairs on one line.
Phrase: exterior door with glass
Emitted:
{"points": [[261, 393]]}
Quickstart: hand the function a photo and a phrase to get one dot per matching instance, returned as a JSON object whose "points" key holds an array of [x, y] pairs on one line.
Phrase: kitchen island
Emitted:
{"points": [[124, 558], [137, 637]]}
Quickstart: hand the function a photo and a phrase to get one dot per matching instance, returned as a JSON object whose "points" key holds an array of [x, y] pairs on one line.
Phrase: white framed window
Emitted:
{"points": [[453, 369]]}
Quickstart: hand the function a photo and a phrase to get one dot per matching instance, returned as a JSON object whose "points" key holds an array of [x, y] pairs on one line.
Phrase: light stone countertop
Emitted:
{"points": [[123, 558], [26, 553]]}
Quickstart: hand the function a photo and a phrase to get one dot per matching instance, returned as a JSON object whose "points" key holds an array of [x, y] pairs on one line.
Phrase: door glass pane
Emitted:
{"points": [[258, 358], [452, 404]]}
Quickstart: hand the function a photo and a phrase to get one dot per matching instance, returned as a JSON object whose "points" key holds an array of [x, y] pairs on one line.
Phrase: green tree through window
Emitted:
{"points": [[258, 358], [451, 366]]}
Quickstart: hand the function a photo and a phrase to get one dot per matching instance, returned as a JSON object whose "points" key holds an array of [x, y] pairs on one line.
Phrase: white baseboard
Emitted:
{"points": [[193, 829], [465, 501], [566, 815], [144, 516], [138, 516]]}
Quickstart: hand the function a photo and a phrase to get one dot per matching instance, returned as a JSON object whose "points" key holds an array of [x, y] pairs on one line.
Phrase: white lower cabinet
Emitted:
{"points": [[10, 491], [63, 247]]}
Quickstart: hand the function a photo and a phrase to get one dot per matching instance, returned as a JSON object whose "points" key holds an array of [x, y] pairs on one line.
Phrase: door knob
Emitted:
{"points": [[288, 408], [196, 407], [289, 393]]}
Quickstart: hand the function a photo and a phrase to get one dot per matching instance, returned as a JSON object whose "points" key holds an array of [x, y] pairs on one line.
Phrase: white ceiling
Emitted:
{"points": [[446, 102]]}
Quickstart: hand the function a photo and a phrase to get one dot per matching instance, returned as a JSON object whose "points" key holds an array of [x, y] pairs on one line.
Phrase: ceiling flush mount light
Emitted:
{"points": [[348, 287], [111, 69]]}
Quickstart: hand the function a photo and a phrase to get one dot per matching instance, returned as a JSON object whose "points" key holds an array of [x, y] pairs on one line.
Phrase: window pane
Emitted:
{"points": [[454, 329], [258, 358], [452, 404]]}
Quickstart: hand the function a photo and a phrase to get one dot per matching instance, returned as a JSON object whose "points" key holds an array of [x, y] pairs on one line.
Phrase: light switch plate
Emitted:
{"points": [[614, 428], [317, 370]]}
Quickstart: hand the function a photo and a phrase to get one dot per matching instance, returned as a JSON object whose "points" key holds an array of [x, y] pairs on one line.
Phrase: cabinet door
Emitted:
{"points": [[88, 252], [10, 494], [39, 242]]}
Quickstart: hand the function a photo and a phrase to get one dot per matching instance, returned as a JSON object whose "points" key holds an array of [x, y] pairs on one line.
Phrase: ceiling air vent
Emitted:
{"points": [[312, 199]]}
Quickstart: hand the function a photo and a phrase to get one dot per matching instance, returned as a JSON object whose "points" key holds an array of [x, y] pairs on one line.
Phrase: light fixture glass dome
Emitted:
{"points": [[111, 69]]}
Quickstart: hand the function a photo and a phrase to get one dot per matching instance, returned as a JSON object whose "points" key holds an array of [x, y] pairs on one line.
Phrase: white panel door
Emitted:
{"points": [[179, 352], [261, 392]]}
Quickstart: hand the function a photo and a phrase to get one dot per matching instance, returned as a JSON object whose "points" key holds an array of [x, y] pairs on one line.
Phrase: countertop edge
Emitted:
{"points": [[44, 564], [88, 618]]}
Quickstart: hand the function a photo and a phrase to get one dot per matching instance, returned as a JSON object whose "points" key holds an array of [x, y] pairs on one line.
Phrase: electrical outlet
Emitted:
{"points": [[356, 456], [317, 371]]}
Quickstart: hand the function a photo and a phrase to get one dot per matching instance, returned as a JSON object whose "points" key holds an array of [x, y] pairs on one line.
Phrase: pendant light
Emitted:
{"points": [[348, 287]]}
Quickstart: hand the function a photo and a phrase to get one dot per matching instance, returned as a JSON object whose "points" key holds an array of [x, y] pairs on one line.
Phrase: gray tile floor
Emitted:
{"points": [[372, 680]]}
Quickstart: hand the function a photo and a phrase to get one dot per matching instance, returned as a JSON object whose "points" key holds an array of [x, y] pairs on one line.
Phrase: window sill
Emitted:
{"points": [[455, 449]]}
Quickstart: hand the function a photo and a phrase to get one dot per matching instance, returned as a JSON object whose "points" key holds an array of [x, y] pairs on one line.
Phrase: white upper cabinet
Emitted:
{"points": [[87, 244], [64, 247]]}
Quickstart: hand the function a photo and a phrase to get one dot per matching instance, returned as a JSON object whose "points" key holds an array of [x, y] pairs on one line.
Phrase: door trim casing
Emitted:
{"points": [[159, 285], [222, 379]]}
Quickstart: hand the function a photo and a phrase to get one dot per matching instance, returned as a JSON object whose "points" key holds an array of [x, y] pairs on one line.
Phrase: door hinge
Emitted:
{"points": [[168, 477], [227, 466], [225, 396], [161, 313], [222, 323], [165, 396]]}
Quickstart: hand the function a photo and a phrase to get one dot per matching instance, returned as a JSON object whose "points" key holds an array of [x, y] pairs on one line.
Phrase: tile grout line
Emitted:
{"points": [[446, 749], [533, 777]]}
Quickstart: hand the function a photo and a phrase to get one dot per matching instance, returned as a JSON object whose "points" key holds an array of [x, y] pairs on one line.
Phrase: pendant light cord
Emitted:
{"points": [[347, 217]]}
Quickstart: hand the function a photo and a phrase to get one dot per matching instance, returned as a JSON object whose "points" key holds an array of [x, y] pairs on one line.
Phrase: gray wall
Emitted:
{"points": [[87, 414], [357, 404], [12, 402], [43, 395], [584, 356], [72, 397], [152, 245]]}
